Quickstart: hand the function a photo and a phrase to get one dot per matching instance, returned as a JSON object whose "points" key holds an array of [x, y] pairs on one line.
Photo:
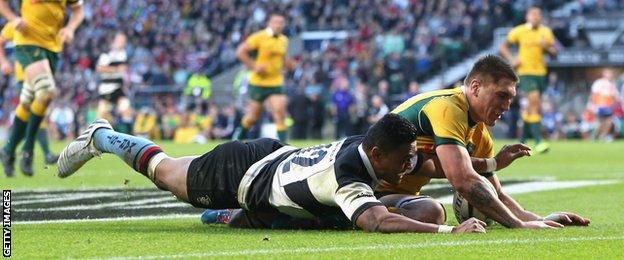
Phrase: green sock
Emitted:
{"points": [[34, 121], [17, 134], [282, 135], [42, 138], [536, 131]]}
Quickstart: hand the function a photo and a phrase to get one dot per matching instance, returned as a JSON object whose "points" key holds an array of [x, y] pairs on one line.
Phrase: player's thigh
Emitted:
{"points": [[278, 103], [254, 109], [171, 174]]}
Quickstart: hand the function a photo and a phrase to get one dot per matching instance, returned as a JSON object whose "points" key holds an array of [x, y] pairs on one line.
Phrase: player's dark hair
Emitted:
{"points": [[389, 133], [492, 67]]}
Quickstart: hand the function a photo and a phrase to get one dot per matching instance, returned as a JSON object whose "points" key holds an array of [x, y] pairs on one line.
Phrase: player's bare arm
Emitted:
{"points": [[379, 219], [18, 23], [456, 164], [5, 64], [505, 157], [77, 15], [506, 52], [242, 53]]}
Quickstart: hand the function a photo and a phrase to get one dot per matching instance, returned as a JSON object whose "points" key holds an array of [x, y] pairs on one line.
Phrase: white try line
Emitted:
{"points": [[100, 206], [63, 221], [420, 245]]}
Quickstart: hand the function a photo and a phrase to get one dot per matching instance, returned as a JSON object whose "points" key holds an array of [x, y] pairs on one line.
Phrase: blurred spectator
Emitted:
{"points": [[197, 91], [170, 120], [342, 109], [571, 127], [145, 124], [317, 116], [602, 102], [187, 132], [299, 110], [413, 89], [61, 119], [377, 110], [223, 127]]}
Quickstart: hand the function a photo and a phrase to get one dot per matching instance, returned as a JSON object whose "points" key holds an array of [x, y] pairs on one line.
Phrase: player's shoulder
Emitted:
{"points": [[545, 29], [447, 99], [350, 165]]}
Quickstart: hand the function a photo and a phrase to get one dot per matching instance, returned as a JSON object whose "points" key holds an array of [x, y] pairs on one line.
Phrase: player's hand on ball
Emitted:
{"points": [[541, 224], [66, 34], [510, 153], [472, 225], [567, 219]]}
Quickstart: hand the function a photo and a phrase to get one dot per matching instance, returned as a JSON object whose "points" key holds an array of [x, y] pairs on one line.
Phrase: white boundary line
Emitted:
{"points": [[62, 221], [307, 250]]}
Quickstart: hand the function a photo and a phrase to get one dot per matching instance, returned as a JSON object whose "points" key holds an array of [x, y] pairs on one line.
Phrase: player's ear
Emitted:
{"points": [[376, 154]]}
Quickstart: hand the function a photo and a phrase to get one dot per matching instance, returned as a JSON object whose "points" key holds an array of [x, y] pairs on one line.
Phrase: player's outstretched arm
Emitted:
{"points": [[379, 219], [505, 157], [512, 204], [457, 166]]}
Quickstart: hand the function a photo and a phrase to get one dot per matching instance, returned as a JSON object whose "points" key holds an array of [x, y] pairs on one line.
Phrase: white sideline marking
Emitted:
{"points": [[158, 206], [63, 221], [64, 197], [302, 250], [527, 187], [102, 205]]}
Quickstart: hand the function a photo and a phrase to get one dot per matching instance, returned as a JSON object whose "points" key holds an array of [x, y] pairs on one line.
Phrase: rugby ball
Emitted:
{"points": [[463, 210]]}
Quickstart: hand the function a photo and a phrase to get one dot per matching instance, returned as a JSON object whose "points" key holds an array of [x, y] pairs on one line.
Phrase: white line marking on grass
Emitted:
{"points": [[527, 187], [304, 250], [65, 197], [101, 206], [63, 221]]}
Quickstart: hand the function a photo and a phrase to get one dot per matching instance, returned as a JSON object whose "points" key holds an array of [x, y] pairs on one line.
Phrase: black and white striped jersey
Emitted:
{"points": [[320, 181], [114, 80]]}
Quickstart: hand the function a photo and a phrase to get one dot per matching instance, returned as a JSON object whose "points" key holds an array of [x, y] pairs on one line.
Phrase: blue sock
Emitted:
{"points": [[135, 151]]}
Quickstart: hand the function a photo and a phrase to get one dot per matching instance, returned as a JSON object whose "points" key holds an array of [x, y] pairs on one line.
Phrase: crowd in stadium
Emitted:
{"points": [[394, 45]]}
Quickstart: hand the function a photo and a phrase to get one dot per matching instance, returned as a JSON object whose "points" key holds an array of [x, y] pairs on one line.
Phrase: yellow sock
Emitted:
{"points": [[21, 113], [38, 108]]}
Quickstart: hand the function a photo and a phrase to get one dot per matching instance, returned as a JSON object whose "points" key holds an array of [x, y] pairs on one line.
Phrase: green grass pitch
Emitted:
{"points": [[188, 238]]}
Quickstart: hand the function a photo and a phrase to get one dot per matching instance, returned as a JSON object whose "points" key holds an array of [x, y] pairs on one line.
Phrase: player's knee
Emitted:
{"points": [[425, 210], [44, 87]]}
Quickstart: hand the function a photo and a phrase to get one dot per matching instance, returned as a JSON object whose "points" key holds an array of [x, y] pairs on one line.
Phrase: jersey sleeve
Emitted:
{"points": [[513, 35], [355, 198], [7, 32], [253, 41], [448, 122]]}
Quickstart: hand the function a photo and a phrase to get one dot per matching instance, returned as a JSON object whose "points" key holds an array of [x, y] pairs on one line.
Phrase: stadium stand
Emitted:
{"points": [[379, 47]]}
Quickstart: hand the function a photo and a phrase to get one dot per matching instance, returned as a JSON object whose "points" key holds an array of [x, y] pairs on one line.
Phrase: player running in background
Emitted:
{"points": [[112, 67], [266, 80], [267, 178], [533, 39], [38, 38], [454, 143], [7, 153]]}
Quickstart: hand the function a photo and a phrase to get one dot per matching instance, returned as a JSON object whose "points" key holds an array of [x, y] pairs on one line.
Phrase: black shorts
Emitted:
{"points": [[114, 96], [213, 178]]}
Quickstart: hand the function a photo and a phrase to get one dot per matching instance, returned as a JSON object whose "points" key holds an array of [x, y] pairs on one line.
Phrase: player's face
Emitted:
{"points": [[391, 166], [277, 23], [534, 17], [119, 42], [494, 99]]}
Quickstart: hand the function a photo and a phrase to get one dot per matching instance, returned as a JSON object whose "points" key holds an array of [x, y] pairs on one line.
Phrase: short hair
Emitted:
{"points": [[389, 133], [491, 66]]}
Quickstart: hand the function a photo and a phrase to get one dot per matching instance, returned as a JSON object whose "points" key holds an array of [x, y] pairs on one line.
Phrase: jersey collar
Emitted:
{"points": [[369, 166]]}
